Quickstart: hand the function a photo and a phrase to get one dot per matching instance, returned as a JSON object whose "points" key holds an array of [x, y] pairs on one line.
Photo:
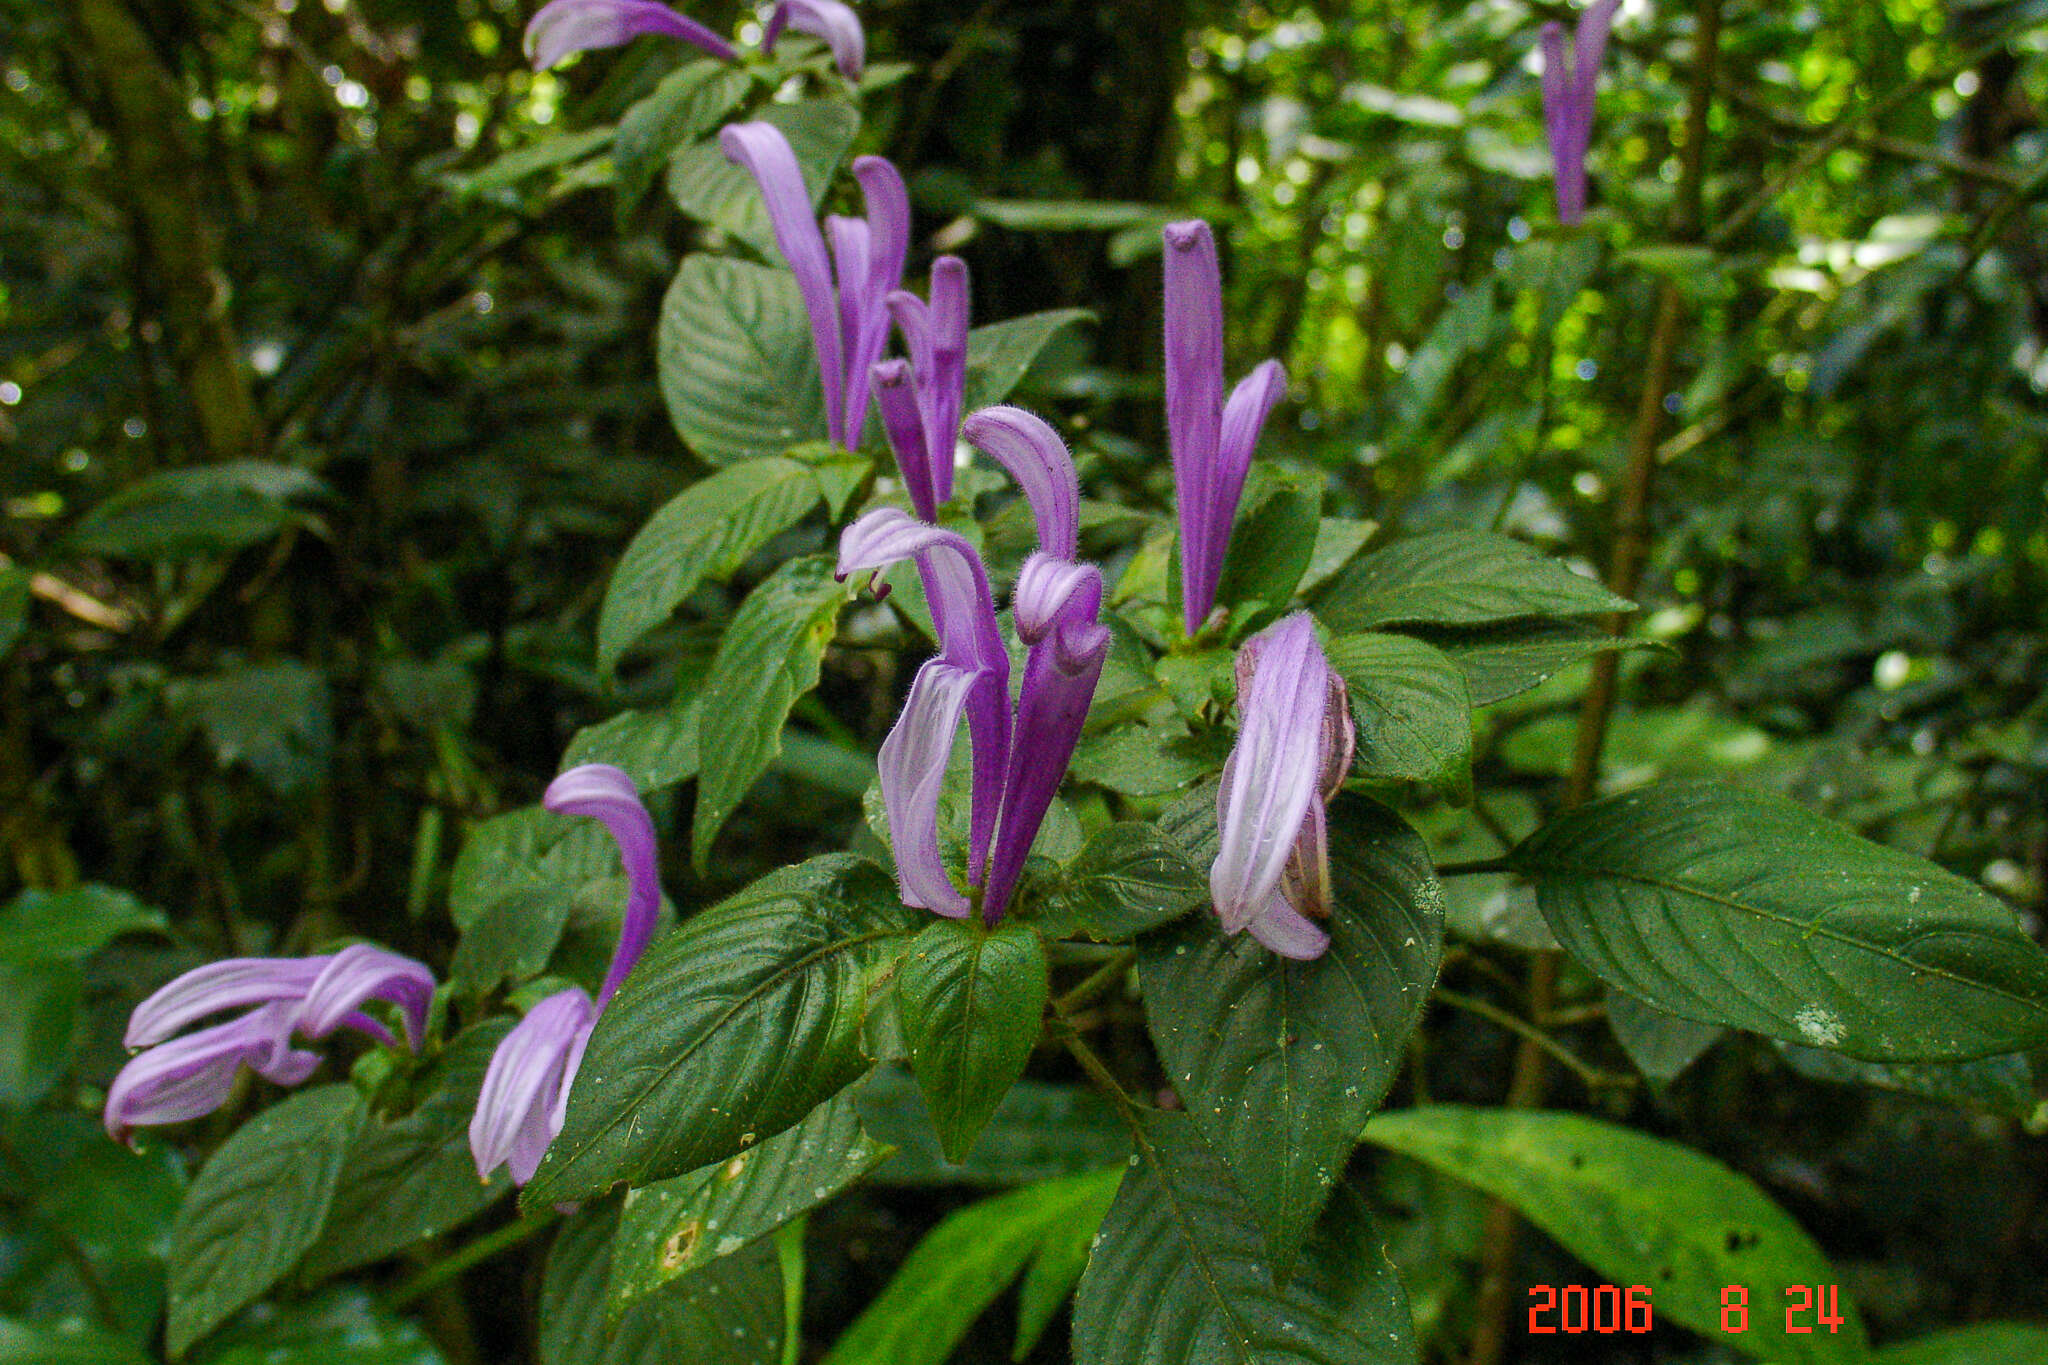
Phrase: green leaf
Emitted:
{"points": [[1067, 215], [514, 166], [734, 354], [960, 1267], [524, 851], [39, 1028], [971, 1000], [729, 1311], [1983, 1343], [1040, 1131], [672, 1227], [768, 658], [28, 1343], [201, 512], [1149, 760], [685, 106], [345, 1326], [1338, 541], [655, 748], [1639, 1211], [1280, 1062], [1661, 1045], [1000, 353], [1457, 578], [730, 1030], [2003, 1084], [1507, 660], [1179, 1275], [708, 530], [276, 719], [1413, 713], [1130, 878], [15, 600], [512, 940], [1741, 908], [407, 1179], [256, 1208], [714, 190], [1270, 544]]}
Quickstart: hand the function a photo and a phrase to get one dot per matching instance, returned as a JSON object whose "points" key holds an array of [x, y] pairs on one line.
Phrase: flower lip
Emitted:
{"points": [[563, 27], [523, 1101]]}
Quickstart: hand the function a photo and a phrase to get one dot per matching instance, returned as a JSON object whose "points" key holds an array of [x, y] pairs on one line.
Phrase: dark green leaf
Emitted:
{"points": [[1179, 1275], [1740, 908], [686, 105], [729, 1311], [1280, 1062], [1639, 1211], [544, 155], [1507, 660], [256, 1208], [672, 1227], [523, 851], [276, 719], [1149, 760], [28, 1343], [15, 600], [1661, 1045], [707, 531], [730, 1030], [511, 940], [1338, 541], [407, 1179], [734, 355], [1000, 353], [341, 1327], [2003, 1084], [38, 1028], [1413, 713], [768, 658], [960, 1267], [1983, 1343], [1039, 1132], [1457, 578], [1130, 878], [207, 510], [714, 190], [971, 1001], [1270, 544], [655, 748]]}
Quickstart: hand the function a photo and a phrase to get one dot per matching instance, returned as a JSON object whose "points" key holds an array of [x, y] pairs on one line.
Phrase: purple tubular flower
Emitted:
{"points": [[829, 20], [179, 1078], [849, 319], [935, 334], [562, 27], [1211, 440], [525, 1093], [1294, 745], [606, 794], [1568, 88]]}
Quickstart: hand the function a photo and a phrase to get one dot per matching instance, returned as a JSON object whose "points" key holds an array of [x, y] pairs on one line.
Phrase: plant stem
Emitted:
{"points": [[1594, 1078], [474, 1253], [1096, 982]]}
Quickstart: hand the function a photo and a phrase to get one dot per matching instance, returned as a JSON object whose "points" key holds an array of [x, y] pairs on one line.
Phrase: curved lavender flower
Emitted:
{"points": [[828, 20], [1211, 440], [176, 1078], [920, 398], [1294, 745], [525, 1094], [1568, 88], [849, 322], [562, 27]]}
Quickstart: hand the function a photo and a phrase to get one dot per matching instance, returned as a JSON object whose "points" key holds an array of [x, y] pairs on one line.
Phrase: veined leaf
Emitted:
{"points": [[1740, 908], [526, 850], [707, 531], [713, 190], [1280, 1062], [1506, 660], [734, 353], [1457, 578], [965, 1262], [729, 1311], [672, 1227], [1639, 1211], [655, 748], [256, 1208], [1000, 353], [1410, 705], [1179, 1275], [768, 658], [1040, 1131], [686, 105], [1149, 760], [1270, 545], [730, 1030], [1128, 879], [2002, 1084], [971, 1001]]}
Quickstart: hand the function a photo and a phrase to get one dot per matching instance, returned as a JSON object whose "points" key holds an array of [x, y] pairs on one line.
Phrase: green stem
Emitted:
{"points": [[475, 1253], [1594, 1078], [1096, 982]]}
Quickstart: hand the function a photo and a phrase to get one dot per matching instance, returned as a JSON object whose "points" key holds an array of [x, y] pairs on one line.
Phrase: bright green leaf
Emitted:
{"points": [[686, 105], [714, 190], [734, 354], [655, 748], [1271, 544], [38, 925], [1457, 578]]}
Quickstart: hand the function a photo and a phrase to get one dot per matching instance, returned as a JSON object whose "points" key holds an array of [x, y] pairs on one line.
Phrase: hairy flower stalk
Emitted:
{"points": [[181, 1076], [525, 1093], [845, 290], [1019, 755], [1294, 745], [1211, 439], [1569, 82], [563, 27], [921, 397]]}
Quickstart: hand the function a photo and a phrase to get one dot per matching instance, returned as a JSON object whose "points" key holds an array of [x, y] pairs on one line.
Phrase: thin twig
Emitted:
{"points": [[1594, 1078]]}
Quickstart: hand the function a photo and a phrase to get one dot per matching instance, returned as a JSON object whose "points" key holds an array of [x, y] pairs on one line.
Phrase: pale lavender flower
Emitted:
{"points": [[1294, 745], [921, 397], [845, 290], [1569, 82], [1211, 440], [836, 24], [562, 27], [176, 1078], [525, 1093]]}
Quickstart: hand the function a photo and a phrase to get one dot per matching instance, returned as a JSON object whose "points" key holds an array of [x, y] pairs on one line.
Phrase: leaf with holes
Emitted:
{"points": [[733, 350], [730, 1030], [1741, 908], [971, 1001], [1179, 1274], [1280, 1062], [256, 1208], [1413, 713], [1457, 578], [1639, 1211], [729, 1311], [707, 531]]}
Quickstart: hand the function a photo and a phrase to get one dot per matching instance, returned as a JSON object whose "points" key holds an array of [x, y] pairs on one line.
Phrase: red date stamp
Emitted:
{"points": [[1609, 1308]]}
